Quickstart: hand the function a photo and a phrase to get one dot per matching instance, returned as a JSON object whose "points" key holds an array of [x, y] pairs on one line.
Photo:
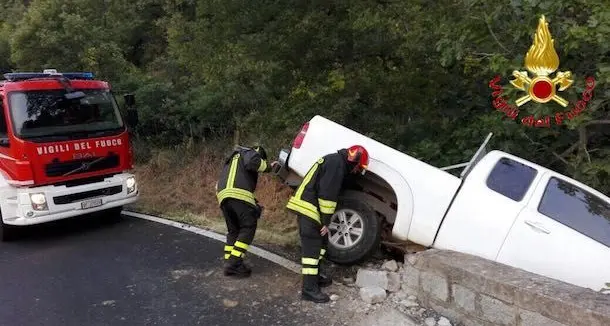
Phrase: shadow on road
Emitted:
{"points": [[65, 228]]}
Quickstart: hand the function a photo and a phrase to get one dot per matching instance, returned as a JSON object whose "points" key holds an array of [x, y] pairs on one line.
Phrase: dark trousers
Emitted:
{"points": [[313, 245], [241, 219]]}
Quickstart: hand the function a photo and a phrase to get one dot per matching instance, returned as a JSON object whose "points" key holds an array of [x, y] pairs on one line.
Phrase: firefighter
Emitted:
{"points": [[314, 203], [235, 194]]}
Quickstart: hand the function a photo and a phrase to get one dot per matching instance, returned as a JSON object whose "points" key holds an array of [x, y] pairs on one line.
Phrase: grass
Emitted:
{"points": [[178, 184]]}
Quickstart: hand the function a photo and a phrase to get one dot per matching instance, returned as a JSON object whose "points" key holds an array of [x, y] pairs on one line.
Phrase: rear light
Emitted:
{"points": [[298, 140]]}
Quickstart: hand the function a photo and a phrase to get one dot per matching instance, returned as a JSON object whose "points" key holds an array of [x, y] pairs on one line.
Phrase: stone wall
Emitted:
{"points": [[476, 291]]}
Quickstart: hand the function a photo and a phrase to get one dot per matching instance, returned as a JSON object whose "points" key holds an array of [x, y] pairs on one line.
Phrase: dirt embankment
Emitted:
{"points": [[179, 184]]}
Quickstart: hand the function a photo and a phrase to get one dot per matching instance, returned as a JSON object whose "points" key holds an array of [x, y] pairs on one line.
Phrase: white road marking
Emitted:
{"points": [[288, 264]]}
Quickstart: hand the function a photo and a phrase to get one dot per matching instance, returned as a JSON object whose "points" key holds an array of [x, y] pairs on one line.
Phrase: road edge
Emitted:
{"points": [[279, 260]]}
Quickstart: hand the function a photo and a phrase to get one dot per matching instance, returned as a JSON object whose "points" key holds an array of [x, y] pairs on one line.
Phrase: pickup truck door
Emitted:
{"points": [[486, 206], [563, 233]]}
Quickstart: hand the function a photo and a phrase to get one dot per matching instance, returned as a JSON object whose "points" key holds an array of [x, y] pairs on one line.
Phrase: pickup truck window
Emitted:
{"points": [[511, 178], [578, 209]]}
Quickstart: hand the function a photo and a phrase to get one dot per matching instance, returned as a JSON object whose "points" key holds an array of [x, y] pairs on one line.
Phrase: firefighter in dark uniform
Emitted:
{"points": [[235, 194], [314, 203]]}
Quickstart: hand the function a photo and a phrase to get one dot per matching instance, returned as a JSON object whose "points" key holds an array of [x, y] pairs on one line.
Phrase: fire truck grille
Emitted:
{"points": [[92, 164], [71, 198]]}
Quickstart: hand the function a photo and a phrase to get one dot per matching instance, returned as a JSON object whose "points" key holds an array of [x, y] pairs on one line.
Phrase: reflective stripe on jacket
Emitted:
{"points": [[316, 197], [239, 176]]}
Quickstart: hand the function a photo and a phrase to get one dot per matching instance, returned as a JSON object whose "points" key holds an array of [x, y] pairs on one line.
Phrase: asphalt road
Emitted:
{"points": [[88, 272]]}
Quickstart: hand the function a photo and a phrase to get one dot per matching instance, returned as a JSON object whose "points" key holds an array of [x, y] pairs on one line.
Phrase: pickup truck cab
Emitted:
{"points": [[501, 207]]}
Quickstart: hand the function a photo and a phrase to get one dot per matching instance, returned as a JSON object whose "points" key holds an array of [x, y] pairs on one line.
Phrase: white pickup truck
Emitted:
{"points": [[502, 207]]}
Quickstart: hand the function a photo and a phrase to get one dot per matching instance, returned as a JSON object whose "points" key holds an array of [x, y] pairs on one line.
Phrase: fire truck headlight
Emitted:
{"points": [[39, 202], [131, 184]]}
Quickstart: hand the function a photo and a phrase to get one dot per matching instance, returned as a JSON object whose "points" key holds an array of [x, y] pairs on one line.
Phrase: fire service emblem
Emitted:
{"points": [[541, 61]]}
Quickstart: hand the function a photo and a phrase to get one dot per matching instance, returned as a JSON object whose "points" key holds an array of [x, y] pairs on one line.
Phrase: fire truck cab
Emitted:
{"points": [[64, 148]]}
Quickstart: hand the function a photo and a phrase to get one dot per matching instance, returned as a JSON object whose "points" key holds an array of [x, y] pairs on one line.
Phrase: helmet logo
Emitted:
{"points": [[359, 155]]}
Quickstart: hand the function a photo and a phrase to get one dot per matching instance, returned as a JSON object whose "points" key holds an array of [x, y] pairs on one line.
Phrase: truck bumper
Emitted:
{"points": [[19, 208], [282, 168], [283, 172]]}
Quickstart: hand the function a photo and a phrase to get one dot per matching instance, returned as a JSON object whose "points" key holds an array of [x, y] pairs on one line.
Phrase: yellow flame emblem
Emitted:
{"points": [[542, 60]]}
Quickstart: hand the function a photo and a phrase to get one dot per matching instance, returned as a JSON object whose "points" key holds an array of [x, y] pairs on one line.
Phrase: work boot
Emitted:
{"points": [[324, 277], [236, 268], [246, 267], [311, 290], [324, 281]]}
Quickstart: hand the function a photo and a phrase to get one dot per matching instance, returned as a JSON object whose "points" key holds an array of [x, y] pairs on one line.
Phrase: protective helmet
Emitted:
{"points": [[359, 158], [261, 151]]}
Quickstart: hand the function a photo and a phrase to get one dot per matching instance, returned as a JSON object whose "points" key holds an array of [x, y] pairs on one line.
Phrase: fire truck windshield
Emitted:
{"points": [[42, 114]]}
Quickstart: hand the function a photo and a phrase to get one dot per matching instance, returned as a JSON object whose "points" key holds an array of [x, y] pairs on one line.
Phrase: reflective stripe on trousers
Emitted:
{"points": [[239, 249], [310, 266]]}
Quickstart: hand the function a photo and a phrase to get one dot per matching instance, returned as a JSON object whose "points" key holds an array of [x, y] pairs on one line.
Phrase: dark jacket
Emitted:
{"points": [[239, 176], [317, 195]]}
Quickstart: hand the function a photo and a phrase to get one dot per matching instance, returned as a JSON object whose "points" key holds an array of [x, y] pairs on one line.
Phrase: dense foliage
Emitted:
{"points": [[412, 74]]}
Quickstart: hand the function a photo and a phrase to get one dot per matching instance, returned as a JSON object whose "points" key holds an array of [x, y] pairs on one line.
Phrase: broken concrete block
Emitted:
{"points": [[390, 265], [443, 322], [370, 278], [372, 295], [393, 283], [385, 280], [409, 303]]}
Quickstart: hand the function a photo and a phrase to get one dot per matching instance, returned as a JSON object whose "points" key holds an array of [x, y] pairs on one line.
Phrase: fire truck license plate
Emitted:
{"points": [[91, 203]]}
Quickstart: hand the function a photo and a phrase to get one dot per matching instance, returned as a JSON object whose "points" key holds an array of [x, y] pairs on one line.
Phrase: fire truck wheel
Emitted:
{"points": [[114, 214], [6, 231]]}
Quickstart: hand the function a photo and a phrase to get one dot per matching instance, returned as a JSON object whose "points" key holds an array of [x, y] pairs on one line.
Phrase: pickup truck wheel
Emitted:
{"points": [[354, 232]]}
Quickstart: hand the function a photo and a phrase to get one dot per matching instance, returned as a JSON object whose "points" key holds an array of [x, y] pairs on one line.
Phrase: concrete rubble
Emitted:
{"points": [[371, 278], [372, 294], [381, 284], [390, 265]]}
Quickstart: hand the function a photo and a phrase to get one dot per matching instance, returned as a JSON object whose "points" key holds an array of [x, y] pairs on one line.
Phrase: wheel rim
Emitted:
{"points": [[345, 229]]}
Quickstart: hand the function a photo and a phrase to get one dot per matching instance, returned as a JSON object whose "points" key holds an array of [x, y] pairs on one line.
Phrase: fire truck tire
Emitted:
{"points": [[114, 214]]}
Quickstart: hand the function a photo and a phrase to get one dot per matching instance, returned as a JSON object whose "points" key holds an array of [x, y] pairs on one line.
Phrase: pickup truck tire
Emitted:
{"points": [[367, 226]]}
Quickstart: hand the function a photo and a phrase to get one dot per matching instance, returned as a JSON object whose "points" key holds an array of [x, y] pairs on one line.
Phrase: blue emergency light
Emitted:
{"points": [[19, 76]]}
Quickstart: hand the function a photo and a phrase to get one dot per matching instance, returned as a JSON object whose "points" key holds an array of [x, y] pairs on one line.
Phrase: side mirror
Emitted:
{"points": [[4, 142], [132, 117], [130, 100], [132, 113]]}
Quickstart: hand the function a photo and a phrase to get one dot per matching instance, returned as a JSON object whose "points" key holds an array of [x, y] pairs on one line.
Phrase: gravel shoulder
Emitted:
{"points": [[398, 306]]}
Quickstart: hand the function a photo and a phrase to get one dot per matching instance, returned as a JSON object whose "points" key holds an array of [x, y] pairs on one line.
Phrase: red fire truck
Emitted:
{"points": [[64, 148]]}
